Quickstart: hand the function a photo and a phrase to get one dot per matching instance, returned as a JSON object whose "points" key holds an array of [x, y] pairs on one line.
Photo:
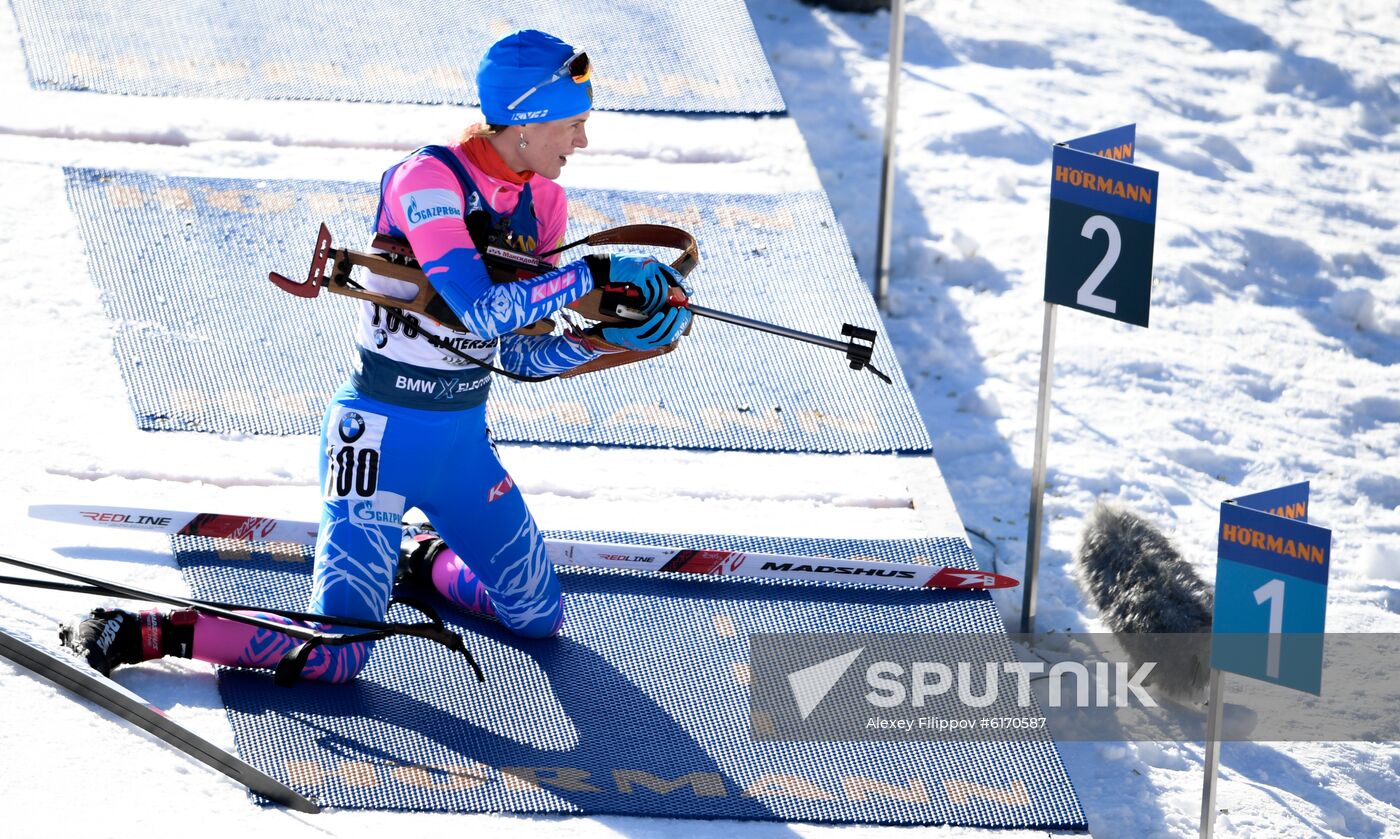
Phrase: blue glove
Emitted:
{"points": [[645, 274], [652, 334]]}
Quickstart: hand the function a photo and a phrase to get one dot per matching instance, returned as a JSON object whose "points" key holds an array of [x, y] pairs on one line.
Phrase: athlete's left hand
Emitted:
{"points": [[657, 331]]}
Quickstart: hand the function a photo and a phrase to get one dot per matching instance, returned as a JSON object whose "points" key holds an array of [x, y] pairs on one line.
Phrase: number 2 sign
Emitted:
{"points": [[1103, 212]]}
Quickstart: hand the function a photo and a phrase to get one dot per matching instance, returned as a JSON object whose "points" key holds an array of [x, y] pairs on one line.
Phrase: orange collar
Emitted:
{"points": [[485, 157]]}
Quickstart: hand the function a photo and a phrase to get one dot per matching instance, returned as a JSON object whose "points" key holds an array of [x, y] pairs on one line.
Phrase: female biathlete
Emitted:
{"points": [[409, 427]]}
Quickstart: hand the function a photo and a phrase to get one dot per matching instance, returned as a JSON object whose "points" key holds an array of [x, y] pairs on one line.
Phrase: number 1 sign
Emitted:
{"points": [[1270, 606], [1271, 589]]}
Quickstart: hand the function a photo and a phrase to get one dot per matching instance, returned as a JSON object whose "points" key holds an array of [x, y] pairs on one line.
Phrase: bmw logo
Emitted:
{"points": [[352, 426], [380, 338]]}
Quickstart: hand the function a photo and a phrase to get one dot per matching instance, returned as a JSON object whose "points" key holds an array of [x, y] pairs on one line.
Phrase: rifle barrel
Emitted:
{"points": [[750, 323]]}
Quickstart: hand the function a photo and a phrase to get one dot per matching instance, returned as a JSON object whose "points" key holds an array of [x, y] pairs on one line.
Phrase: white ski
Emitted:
{"points": [[100, 690], [561, 552]]}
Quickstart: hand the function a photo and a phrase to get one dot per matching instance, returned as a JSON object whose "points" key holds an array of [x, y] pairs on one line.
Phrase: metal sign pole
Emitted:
{"points": [[1213, 723], [1042, 440], [885, 233]]}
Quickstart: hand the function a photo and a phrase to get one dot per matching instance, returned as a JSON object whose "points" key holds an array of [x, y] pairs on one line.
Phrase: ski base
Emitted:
{"points": [[96, 688]]}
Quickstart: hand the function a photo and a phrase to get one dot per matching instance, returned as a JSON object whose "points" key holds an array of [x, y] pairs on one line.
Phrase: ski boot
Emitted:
{"points": [[416, 554]]}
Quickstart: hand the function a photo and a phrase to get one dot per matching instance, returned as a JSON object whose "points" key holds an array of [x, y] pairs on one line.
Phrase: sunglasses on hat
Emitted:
{"points": [[575, 66]]}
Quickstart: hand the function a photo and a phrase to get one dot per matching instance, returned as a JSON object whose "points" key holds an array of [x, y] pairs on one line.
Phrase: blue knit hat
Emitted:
{"points": [[530, 64]]}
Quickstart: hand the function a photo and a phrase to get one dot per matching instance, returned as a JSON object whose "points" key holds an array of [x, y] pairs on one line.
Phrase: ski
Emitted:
{"points": [[663, 560], [212, 525], [96, 688]]}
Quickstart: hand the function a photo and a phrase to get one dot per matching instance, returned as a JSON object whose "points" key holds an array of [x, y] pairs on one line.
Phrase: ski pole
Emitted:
{"points": [[291, 665], [420, 630]]}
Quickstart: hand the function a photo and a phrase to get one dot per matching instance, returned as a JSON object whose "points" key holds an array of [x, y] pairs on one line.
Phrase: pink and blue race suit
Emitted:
{"points": [[409, 427]]}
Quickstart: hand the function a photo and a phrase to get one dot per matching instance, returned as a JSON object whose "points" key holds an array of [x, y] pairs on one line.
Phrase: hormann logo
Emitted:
{"points": [[1297, 510], [127, 519], [425, 205], [612, 781], [1099, 183], [839, 569], [1273, 544], [1122, 152]]}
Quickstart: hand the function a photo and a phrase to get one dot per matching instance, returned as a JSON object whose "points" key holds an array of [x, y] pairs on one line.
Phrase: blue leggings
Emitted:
{"points": [[380, 460]]}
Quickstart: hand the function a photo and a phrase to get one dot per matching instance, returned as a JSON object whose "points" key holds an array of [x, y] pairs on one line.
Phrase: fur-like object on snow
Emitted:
{"points": [[1144, 589]]}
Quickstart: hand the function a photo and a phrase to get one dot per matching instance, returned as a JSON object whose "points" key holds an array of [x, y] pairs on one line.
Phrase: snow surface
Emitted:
{"points": [[1271, 359]]}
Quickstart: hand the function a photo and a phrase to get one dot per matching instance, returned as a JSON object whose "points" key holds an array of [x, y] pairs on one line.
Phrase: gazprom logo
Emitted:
{"points": [[364, 511], [425, 205]]}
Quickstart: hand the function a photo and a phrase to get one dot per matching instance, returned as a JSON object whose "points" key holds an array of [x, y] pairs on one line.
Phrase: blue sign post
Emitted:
{"points": [[1270, 605], [1103, 214]]}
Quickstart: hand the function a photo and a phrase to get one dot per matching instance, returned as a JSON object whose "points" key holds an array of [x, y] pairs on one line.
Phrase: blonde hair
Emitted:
{"points": [[480, 130]]}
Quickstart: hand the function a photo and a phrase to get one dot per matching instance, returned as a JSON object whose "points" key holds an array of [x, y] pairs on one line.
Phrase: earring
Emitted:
{"points": [[523, 144]]}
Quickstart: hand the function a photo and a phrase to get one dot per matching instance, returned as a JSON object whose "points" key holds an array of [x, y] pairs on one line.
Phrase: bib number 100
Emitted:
{"points": [[353, 472]]}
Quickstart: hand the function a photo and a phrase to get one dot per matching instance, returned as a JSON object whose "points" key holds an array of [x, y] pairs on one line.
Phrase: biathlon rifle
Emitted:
{"points": [[331, 269]]}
